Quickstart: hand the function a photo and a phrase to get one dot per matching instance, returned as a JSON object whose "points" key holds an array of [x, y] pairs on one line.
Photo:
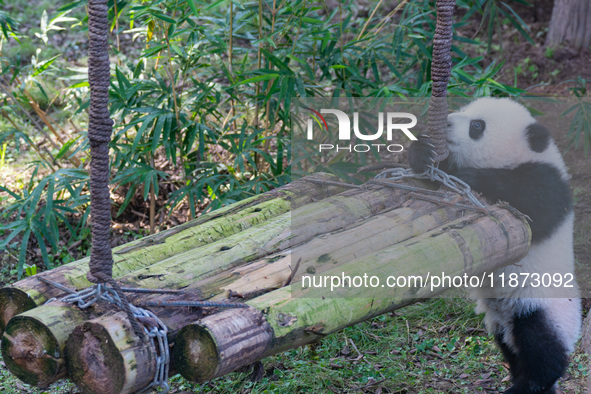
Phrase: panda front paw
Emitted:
{"points": [[421, 154]]}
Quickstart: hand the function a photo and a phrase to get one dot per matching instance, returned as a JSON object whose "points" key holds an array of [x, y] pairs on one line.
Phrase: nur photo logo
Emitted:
{"points": [[348, 131]]}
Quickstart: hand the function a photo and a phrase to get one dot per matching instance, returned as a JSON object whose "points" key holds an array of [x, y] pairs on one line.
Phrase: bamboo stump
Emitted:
{"points": [[221, 343], [12, 302]]}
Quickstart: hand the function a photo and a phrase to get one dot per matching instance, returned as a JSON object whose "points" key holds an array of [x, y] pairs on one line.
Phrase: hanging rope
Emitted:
{"points": [[437, 112], [440, 71], [100, 127]]}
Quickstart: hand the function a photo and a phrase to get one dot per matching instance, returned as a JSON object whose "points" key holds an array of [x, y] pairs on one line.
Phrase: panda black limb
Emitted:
{"points": [[499, 149]]}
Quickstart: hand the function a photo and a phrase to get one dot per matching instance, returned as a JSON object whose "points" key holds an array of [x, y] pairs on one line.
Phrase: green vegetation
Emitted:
{"points": [[201, 96]]}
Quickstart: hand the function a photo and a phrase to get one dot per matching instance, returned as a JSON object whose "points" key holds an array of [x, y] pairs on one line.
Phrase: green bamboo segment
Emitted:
{"points": [[105, 357]]}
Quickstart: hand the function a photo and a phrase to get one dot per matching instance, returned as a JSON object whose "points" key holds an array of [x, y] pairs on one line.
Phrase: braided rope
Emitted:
{"points": [[440, 72], [100, 127]]}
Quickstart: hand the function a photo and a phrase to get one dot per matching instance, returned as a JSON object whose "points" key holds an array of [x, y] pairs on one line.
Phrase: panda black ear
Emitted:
{"points": [[538, 137]]}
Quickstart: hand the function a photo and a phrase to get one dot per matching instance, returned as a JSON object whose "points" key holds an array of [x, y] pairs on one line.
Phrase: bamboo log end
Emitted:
{"points": [[105, 356], [220, 343], [94, 362], [195, 354], [12, 302], [31, 352]]}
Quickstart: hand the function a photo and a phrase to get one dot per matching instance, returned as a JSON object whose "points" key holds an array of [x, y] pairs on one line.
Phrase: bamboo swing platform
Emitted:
{"points": [[267, 255]]}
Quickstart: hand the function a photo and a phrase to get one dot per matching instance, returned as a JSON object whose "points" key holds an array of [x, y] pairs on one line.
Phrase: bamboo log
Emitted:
{"points": [[253, 243], [112, 360], [222, 343], [30, 292], [32, 345], [299, 315]]}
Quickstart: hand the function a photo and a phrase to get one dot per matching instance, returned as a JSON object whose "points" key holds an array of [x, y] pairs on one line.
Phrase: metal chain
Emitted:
{"points": [[433, 174]]}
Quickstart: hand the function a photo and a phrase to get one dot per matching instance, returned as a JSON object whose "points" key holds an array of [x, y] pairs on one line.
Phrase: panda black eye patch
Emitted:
{"points": [[477, 127]]}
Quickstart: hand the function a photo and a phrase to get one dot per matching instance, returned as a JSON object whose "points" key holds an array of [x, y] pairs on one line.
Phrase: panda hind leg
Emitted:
{"points": [[509, 356], [541, 357]]}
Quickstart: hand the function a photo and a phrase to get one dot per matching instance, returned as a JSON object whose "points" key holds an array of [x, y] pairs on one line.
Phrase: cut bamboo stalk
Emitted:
{"points": [[32, 345], [298, 316], [30, 292], [112, 360], [223, 342]]}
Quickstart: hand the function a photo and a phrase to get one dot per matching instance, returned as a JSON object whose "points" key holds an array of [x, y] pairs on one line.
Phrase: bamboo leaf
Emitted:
{"points": [[65, 148], [258, 78], [193, 7], [44, 66], [23, 252]]}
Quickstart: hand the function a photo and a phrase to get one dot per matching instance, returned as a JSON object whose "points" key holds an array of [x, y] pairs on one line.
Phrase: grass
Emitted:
{"points": [[436, 346]]}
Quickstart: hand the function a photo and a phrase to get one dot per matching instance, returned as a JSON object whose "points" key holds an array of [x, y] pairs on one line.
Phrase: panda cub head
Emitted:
{"points": [[499, 133]]}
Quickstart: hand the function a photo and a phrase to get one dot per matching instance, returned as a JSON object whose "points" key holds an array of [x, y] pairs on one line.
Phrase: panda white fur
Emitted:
{"points": [[499, 149]]}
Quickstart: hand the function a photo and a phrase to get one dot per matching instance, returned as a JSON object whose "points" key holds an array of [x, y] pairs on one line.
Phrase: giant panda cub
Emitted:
{"points": [[499, 149]]}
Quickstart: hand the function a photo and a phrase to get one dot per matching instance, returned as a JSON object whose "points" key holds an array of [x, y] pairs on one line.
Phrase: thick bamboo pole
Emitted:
{"points": [[222, 343], [113, 360], [30, 292], [299, 315], [34, 352]]}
